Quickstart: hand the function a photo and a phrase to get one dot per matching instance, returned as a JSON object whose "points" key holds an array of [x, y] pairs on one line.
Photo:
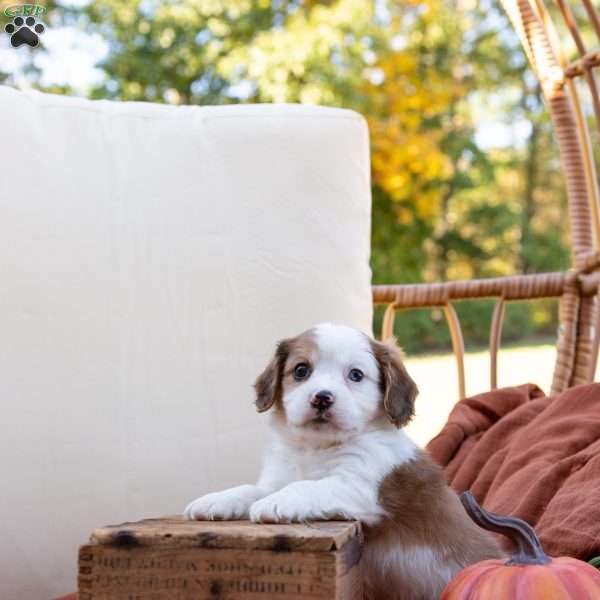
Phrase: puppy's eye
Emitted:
{"points": [[301, 371], [355, 375]]}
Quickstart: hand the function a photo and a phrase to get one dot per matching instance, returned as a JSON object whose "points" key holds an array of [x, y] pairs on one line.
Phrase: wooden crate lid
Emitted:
{"points": [[319, 536]]}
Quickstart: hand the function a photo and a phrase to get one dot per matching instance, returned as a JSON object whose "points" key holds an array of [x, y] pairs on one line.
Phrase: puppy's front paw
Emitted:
{"points": [[280, 507], [223, 506]]}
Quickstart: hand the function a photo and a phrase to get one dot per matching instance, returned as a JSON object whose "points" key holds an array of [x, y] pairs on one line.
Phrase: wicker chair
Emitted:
{"points": [[577, 289]]}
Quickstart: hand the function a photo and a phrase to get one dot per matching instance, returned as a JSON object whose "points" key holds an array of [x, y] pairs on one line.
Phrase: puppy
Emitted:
{"points": [[338, 401]]}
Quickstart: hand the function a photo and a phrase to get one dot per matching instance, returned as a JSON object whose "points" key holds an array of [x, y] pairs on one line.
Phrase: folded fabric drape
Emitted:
{"points": [[537, 458]]}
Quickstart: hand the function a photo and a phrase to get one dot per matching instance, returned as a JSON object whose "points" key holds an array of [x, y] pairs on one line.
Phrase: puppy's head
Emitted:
{"points": [[333, 381]]}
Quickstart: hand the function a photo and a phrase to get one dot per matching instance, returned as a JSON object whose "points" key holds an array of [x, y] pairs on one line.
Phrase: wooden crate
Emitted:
{"points": [[175, 559]]}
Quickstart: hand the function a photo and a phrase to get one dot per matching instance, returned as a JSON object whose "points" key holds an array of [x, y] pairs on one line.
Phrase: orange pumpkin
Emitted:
{"points": [[528, 575]]}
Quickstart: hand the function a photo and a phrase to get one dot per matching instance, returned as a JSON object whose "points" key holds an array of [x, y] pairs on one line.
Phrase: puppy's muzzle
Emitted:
{"points": [[322, 401]]}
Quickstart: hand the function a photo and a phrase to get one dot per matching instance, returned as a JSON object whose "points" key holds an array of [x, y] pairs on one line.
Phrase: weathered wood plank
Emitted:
{"points": [[176, 531], [175, 559]]}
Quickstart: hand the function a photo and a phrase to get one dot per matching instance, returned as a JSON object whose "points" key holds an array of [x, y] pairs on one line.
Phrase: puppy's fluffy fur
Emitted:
{"points": [[338, 402]]}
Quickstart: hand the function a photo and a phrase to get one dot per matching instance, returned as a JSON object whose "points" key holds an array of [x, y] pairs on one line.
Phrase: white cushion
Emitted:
{"points": [[150, 257]]}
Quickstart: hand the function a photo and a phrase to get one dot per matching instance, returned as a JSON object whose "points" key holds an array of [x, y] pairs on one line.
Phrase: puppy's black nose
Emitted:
{"points": [[322, 400]]}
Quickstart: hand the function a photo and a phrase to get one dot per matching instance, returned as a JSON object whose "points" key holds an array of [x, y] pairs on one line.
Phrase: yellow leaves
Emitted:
{"points": [[404, 216], [315, 94], [167, 36], [406, 162], [406, 154], [181, 13], [412, 102], [218, 27], [400, 63], [459, 268], [133, 91]]}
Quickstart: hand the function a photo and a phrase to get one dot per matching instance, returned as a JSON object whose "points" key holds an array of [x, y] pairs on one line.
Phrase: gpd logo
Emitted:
{"points": [[25, 27]]}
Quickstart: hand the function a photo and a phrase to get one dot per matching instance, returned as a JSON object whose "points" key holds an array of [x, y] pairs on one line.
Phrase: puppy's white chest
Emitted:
{"points": [[313, 464]]}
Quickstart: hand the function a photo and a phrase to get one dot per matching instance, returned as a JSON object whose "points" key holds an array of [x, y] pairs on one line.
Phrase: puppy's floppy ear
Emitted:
{"points": [[268, 383], [397, 387]]}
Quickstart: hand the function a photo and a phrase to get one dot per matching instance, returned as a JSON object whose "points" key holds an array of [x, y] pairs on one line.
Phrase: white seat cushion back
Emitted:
{"points": [[150, 258]]}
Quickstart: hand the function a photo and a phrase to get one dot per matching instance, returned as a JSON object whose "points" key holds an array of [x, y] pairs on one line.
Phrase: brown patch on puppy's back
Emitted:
{"points": [[423, 507], [423, 514]]}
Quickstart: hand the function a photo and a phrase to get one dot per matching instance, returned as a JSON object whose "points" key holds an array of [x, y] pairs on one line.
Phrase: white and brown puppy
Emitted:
{"points": [[338, 402]]}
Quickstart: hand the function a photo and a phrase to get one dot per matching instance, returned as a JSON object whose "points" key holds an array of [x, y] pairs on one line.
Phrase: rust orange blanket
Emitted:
{"points": [[538, 458]]}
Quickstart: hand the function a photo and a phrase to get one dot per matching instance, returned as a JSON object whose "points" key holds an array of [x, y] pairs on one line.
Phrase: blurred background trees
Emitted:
{"points": [[465, 172]]}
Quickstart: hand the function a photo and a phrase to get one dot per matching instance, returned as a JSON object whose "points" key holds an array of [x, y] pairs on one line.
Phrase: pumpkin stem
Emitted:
{"points": [[529, 550]]}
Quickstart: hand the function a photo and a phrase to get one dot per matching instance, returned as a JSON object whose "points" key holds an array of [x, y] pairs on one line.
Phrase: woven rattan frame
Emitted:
{"points": [[577, 344]]}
